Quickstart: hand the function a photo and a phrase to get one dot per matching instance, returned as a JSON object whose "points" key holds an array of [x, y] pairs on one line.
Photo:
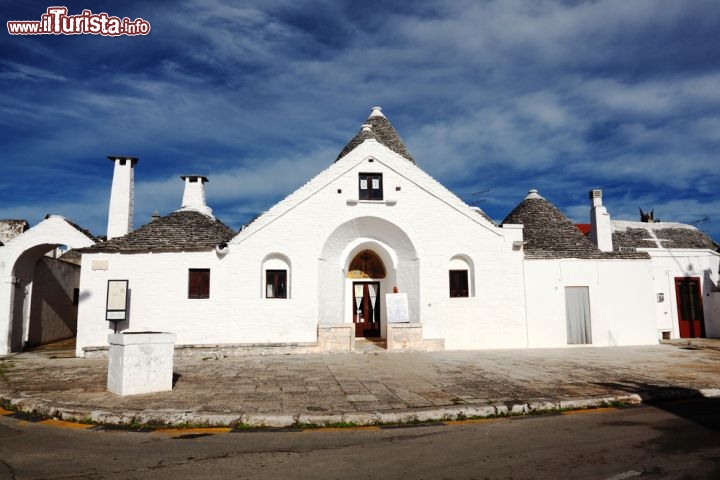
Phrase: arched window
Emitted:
{"points": [[366, 264], [276, 276], [461, 277]]}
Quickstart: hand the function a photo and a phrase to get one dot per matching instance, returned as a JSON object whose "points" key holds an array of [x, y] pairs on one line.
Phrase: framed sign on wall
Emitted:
{"points": [[117, 301]]}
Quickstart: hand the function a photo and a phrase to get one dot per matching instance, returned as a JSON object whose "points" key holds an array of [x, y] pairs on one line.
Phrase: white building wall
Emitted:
{"points": [[671, 263], [234, 313], [417, 229], [621, 300], [437, 227], [712, 328], [318, 228]]}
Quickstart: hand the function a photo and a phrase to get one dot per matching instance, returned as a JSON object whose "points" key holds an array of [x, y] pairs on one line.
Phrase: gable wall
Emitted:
{"points": [[439, 226]]}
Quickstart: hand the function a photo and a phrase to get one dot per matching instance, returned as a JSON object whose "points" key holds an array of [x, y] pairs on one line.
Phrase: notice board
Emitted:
{"points": [[397, 308]]}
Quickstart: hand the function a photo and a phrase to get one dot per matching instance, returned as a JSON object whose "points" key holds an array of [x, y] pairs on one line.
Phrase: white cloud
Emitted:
{"points": [[27, 73]]}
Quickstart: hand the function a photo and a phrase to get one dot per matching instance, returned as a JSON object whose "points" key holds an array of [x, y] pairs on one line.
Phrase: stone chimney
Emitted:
{"points": [[600, 228], [194, 195], [122, 196]]}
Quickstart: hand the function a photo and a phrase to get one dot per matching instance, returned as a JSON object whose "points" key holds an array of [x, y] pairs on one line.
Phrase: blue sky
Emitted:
{"points": [[501, 96]]}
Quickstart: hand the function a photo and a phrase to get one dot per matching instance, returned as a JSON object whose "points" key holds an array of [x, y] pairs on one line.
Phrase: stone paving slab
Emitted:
{"points": [[366, 388]]}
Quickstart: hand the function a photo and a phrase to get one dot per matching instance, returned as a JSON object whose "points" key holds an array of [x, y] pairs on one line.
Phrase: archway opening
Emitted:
{"points": [[342, 257], [44, 297]]}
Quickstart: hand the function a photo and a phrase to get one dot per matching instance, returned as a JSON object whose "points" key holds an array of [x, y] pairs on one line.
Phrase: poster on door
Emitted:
{"points": [[397, 308]]}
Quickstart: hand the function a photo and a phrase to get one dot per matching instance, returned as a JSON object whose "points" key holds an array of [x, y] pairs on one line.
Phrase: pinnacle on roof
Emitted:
{"points": [[378, 127]]}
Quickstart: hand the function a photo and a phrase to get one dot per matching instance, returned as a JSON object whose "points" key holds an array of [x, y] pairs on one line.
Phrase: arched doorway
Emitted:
{"points": [[366, 271], [340, 257], [38, 294]]}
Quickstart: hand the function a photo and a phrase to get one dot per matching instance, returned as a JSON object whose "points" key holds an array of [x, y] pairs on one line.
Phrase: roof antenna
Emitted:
{"points": [[699, 221], [475, 194]]}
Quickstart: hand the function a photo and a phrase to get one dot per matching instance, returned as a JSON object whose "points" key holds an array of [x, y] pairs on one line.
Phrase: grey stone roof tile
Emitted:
{"points": [[182, 230], [550, 235], [654, 235]]}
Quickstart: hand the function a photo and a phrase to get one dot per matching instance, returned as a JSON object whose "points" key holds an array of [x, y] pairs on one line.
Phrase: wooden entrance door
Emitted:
{"points": [[689, 303], [366, 309]]}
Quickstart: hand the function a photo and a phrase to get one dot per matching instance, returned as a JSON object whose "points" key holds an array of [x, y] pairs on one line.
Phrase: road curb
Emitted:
{"points": [[179, 418]]}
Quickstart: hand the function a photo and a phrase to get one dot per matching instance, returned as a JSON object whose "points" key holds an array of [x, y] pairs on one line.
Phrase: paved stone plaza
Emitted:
{"points": [[365, 387]]}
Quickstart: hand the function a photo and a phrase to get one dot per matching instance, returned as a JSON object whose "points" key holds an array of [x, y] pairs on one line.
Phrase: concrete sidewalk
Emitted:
{"points": [[365, 388]]}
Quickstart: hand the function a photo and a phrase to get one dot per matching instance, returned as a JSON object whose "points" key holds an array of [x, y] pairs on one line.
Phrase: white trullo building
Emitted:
{"points": [[312, 273]]}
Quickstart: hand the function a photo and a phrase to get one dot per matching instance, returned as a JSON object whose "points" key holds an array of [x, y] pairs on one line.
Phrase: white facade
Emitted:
{"points": [[672, 262], [619, 293], [419, 230], [669, 264]]}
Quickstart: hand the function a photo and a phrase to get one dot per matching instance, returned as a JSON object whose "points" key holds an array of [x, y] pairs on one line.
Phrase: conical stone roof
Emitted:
{"points": [[549, 233], [181, 230], [381, 130]]}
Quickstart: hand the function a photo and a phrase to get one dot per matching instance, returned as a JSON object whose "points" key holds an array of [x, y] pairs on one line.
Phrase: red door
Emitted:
{"points": [[689, 303], [366, 309]]}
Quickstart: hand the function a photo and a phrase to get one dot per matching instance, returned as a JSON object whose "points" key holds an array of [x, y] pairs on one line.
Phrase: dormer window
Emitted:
{"points": [[370, 187]]}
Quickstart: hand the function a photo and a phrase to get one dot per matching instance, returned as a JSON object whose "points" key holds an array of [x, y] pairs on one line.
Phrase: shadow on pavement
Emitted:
{"points": [[682, 402]]}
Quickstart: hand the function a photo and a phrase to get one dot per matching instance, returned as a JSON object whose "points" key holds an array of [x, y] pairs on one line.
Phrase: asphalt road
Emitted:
{"points": [[673, 440]]}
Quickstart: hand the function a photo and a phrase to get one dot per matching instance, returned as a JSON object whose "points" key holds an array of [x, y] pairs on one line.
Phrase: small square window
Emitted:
{"points": [[199, 283], [459, 283], [276, 284], [370, 186]]}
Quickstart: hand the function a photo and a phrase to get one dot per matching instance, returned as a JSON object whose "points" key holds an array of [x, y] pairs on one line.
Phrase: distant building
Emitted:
{"points": [[10, 229]]}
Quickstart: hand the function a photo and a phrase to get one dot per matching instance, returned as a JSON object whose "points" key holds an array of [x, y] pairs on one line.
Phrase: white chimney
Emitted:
{"points": [[376, 112], [122, 197], [194, 195], [600, 228]]}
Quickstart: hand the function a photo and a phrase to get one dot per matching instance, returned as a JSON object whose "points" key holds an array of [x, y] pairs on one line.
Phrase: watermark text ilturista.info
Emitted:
{"points": [[56, 21]]}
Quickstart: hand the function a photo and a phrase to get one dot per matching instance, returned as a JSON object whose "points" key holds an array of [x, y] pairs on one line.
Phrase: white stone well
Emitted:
{"points": [[140, 362]]}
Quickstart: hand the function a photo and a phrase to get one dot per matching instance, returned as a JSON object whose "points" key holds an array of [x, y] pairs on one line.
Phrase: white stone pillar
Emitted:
{"points": [[600, 227], [122, 197], [6, 309]]}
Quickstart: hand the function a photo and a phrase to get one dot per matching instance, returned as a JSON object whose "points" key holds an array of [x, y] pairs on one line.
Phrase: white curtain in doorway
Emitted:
{"points": [[577, 310]]}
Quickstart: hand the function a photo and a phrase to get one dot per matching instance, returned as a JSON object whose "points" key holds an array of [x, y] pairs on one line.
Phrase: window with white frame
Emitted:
{"points": [[276, 276], [460, 277], [370, 186]]}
